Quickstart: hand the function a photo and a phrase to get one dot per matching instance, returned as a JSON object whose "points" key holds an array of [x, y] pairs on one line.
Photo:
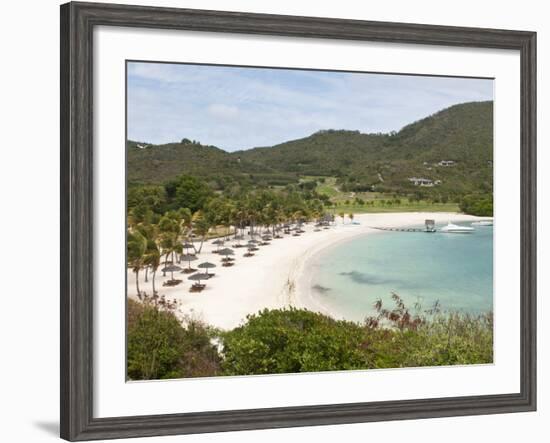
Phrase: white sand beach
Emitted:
{"points": [[276, 276]]}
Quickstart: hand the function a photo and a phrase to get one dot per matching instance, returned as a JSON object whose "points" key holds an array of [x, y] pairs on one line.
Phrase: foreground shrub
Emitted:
{"points": [[400, 338], [292, 340], [160, 347], [296, 340]]}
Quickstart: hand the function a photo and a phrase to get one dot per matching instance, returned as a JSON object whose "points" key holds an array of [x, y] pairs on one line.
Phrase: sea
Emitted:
{"points": [[453, 270]]}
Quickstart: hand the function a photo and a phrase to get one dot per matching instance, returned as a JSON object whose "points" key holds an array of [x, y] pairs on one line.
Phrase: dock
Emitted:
{"points": [[401, 229], [429, 227]]}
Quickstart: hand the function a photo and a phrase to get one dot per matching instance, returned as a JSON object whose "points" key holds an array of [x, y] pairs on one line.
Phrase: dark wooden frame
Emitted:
{"points": [[77, 24]]}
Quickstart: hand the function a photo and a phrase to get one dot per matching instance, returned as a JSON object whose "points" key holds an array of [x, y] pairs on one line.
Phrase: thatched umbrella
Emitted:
{"points": [[218, 243], [198, 277], [206, 265], [171, 269], [238, 237], [250, 253], [188, 245], [226, 252], [188, 258]]}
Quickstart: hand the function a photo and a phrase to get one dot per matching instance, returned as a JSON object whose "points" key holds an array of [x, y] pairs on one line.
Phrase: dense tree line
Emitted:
{"points": [[477, 204]]}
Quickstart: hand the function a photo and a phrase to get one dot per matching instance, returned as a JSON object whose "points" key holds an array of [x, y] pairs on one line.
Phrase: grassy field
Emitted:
{"points": [[329, 188], [403, 207], [374, 201]]}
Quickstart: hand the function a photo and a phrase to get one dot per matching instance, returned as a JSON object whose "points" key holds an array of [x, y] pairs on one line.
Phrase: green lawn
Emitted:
{"points": [[329, 188], [377, 201], [403, 207]]}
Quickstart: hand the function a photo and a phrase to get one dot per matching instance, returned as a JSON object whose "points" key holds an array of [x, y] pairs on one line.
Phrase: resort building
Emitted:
{"points": [[423, 181], [446, 163]]}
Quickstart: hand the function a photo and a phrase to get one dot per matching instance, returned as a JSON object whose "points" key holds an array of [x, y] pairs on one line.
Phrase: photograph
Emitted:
{"points": [[283, 220]]}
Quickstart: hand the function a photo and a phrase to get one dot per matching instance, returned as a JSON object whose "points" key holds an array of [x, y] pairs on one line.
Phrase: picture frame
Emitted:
{"points": [[78, 21]]}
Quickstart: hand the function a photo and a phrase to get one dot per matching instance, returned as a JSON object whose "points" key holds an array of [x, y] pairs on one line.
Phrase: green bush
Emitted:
{"points": [[292, 340], [295, 340], [160, 347], [477, 204], [444, 340]]}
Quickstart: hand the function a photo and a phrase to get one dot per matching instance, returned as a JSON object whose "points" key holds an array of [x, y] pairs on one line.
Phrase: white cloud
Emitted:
{"points": [[225, 112]]}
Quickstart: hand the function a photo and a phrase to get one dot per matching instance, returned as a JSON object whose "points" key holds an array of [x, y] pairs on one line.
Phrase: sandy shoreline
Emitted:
{"points": [[277, 276]]}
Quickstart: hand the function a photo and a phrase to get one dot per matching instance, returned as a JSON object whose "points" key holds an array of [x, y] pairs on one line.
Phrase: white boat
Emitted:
{"points": [[483, 223], [456, 229]]}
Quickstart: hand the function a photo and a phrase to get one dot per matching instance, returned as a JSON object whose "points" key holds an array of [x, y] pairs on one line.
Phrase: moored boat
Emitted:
{"points": [[451, 228], [483, 223]]}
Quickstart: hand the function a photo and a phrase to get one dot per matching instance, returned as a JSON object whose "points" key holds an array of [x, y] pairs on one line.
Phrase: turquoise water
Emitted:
{"points": [[454, 269]]}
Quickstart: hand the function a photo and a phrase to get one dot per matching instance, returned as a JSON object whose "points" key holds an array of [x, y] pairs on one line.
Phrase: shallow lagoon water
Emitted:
{"points": [[454, 269]]}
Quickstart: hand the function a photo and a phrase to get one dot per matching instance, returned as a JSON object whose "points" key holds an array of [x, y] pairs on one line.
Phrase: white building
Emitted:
{"points": [[421, 181]]}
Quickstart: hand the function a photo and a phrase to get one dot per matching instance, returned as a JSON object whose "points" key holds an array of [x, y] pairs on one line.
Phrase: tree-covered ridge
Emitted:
{"points": [[157, 164], [327, 152], [360, 162], [385, 162]]}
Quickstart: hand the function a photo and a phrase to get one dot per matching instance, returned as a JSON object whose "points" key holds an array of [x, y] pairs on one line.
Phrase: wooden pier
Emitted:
{"points": [[401, 229], [429, 227]]}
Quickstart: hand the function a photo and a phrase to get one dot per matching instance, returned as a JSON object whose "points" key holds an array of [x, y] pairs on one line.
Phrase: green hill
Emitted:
{"points": [[156, 164], [328, 152], [461, 133], [360, 162]]}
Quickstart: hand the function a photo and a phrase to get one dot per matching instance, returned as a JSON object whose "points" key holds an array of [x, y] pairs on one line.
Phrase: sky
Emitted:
{"points": [[237, 108]]}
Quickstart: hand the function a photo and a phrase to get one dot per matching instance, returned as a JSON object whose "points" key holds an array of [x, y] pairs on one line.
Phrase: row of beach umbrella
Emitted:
{"points": [[225, 252]]}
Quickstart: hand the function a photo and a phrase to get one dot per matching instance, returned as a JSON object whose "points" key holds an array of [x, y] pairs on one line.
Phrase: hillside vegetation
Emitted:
{"points": [[346, 166], [157, 164], [462, 133]]}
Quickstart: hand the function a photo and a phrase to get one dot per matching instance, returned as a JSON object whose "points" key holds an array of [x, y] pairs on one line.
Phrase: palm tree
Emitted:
{"points": [[185, 217], [201, 226], [343, 215], [152, 259], [229, 217], [169, 232], [269, 216], [350, 215], [139, 214], [239, 216], [136, 245], [280, 217]]}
